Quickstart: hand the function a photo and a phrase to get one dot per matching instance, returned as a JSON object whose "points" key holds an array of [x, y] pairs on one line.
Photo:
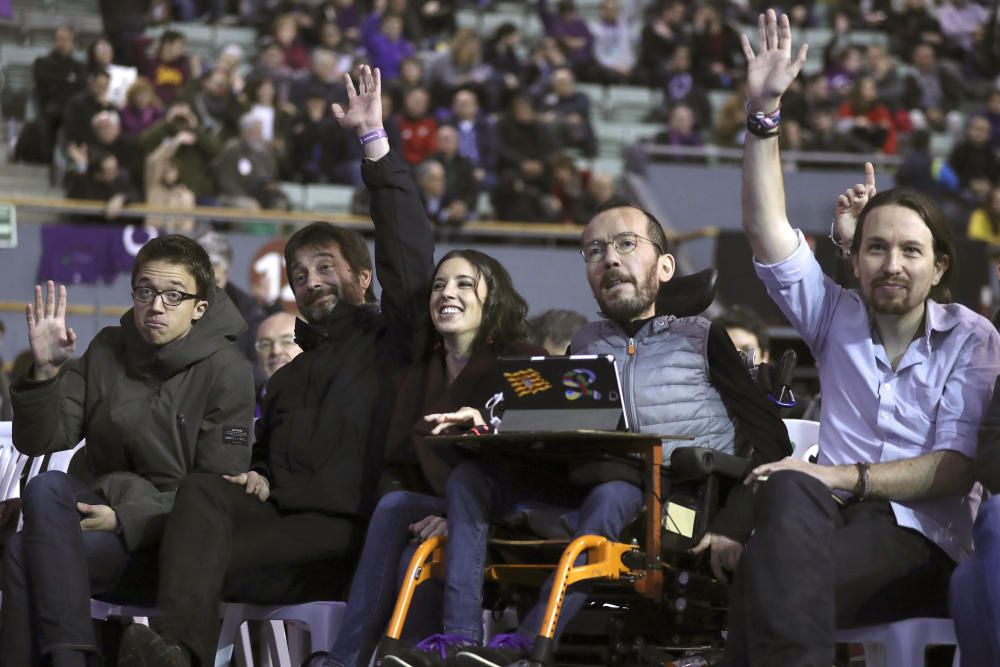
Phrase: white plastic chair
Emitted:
{"points": [[804, 435], [322, 619], [903, 643]]}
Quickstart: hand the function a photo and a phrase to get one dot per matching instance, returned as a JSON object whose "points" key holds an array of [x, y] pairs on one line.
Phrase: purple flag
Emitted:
{"points": [[6, 9]]}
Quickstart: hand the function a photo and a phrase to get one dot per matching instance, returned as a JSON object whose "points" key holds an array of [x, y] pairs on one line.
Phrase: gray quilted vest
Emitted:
{"points": [[665, 382]]}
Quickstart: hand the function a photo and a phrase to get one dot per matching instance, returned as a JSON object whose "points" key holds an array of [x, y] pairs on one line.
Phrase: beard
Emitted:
{"points": [[898, 304], [316, 309], [627, 308]]}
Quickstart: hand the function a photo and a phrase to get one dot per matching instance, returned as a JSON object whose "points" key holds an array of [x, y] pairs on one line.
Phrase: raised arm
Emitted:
{"points": [[769, 74], [404, 244]]}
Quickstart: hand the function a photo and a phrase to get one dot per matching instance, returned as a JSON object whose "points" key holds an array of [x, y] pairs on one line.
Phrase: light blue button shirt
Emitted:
{"points": [[933, 400]]}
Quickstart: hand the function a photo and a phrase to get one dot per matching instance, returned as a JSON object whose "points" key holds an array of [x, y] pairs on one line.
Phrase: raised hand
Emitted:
{"points": [[771, 72], [851, 203], [51, 342], [364, 104]]}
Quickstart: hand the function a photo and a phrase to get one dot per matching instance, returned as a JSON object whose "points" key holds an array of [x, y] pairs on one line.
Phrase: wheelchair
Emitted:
{"points": [[651, 601]]}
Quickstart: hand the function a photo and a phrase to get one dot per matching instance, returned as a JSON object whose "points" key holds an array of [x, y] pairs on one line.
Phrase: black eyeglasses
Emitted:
{"points": [[171, 297], [624, 243]]}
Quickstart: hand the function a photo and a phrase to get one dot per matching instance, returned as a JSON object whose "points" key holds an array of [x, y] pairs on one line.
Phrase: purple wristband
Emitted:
{"points": [[374, 135]]}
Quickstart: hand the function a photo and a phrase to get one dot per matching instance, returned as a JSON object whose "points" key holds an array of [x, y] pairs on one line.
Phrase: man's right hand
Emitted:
{"points": [[51, 342], [772, 71], [851, 203]]}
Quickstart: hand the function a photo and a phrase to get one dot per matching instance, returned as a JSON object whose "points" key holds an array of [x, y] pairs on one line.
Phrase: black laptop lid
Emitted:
{"points": [[561, 393]]}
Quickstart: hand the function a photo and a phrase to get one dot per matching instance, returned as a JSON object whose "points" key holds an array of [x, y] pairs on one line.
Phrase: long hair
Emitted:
{"points": [[504, 310], [930, 213]]}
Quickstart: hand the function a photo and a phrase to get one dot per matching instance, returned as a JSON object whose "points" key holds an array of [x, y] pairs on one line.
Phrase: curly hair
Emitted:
{"points": [[504, 310]]}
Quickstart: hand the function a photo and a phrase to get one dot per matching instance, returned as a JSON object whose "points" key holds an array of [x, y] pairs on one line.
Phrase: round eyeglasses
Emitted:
{"points": [[624, 243]]}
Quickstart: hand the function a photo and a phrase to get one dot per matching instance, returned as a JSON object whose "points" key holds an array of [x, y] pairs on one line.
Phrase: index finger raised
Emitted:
{"points": [[869, 176]]}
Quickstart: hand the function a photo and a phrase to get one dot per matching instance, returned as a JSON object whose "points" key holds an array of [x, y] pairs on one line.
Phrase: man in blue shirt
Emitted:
{"points": [[871, 532]]}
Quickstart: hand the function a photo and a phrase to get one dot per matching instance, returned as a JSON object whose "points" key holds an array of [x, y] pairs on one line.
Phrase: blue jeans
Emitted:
{"points": [[387, 551], [477, 497], [51, 569], [974, 596]]}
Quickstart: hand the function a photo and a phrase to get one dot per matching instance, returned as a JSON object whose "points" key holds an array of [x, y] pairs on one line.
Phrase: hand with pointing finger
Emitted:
{"points": [[851, 203]]}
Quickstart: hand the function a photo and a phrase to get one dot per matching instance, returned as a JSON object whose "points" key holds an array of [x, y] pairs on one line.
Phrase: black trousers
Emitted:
{"points": [[813, 566], [221, 542], [51, 570]]}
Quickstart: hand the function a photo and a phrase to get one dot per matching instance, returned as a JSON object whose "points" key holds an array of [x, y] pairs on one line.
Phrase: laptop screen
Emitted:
{"points": [[561, 393]]}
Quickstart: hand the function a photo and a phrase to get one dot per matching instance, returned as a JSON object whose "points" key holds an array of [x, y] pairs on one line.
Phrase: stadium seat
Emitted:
{"points": [[329, 198]]}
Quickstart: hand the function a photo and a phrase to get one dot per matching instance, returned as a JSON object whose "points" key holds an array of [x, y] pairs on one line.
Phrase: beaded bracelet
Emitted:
{"points": [[762, 124]]}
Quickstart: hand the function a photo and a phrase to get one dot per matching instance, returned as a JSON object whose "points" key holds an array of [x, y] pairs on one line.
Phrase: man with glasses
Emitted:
{"points": [[679, 376], [161, 396], [275, 342]]}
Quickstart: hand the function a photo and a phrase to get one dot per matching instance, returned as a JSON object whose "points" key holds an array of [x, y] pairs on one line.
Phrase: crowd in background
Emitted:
{"points": [[498, 117]]}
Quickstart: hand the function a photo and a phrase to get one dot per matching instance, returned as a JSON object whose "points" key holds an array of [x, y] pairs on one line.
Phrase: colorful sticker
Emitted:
{"points": [[577, 383], [527, 382]]}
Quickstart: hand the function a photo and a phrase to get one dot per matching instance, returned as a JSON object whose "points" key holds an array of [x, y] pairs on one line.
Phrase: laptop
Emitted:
{"points": [[561, 393]]}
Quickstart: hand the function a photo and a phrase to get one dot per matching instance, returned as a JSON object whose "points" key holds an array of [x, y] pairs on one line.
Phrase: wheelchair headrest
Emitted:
{"points": [[685, 296]]}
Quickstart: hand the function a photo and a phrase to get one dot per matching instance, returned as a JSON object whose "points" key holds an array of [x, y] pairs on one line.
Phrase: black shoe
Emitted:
{"points": [[434, 651], [141, 647], [504, 649]]}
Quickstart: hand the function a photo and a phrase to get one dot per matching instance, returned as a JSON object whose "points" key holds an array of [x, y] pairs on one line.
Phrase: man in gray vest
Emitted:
{"points": [[679, 376]]}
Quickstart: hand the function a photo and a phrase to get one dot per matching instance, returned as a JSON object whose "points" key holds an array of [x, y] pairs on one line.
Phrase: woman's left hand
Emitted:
{"points": [[445, 420]]}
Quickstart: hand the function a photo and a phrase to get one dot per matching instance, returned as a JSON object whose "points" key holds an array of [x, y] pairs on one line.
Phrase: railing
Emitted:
{"points": [[718, 154], [475, 228]]}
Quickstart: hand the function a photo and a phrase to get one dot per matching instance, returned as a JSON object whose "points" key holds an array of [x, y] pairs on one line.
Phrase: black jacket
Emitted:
{"points": [[151, 415], [319, 439], [57, 78]]}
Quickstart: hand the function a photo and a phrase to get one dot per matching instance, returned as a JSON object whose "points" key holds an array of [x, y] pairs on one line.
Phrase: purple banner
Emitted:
{"points": [[88, 254], [6, 9]]}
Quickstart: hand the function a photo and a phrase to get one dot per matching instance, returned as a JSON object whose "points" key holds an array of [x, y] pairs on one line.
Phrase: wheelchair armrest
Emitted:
{"points": [[692, 464]]}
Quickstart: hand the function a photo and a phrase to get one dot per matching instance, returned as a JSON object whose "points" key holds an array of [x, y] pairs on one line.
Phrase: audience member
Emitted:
{"points": [[123, 24], [974, 161], [963, 24], [919, 376], [164, 187], [97, 176], [142, 108], [247, 170], [460, 66], [553, 329], [387, 47], [169, 68], [626, 263], [81, 108], [865, 120], [276, 120], [324, 75], [571, 34], [217, 106], [914, 24], [220, 254], [320, 437], [889, 82], [476, 315], [271, 63], [569, 188], [922, 171], [614, 40], [681, 129], [545, 60], [681, 87], [716, 48], [194, 160], [984, 224], [275, 343], [477, 137], [441, 206], [566, 110], [504, 53], [411, 75], [459, 174], [108, 137], [932, 91], [58, 77], [320, 148], [660, 36], [417, 127], [285, 31], [152, 410], [747, 331]]}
